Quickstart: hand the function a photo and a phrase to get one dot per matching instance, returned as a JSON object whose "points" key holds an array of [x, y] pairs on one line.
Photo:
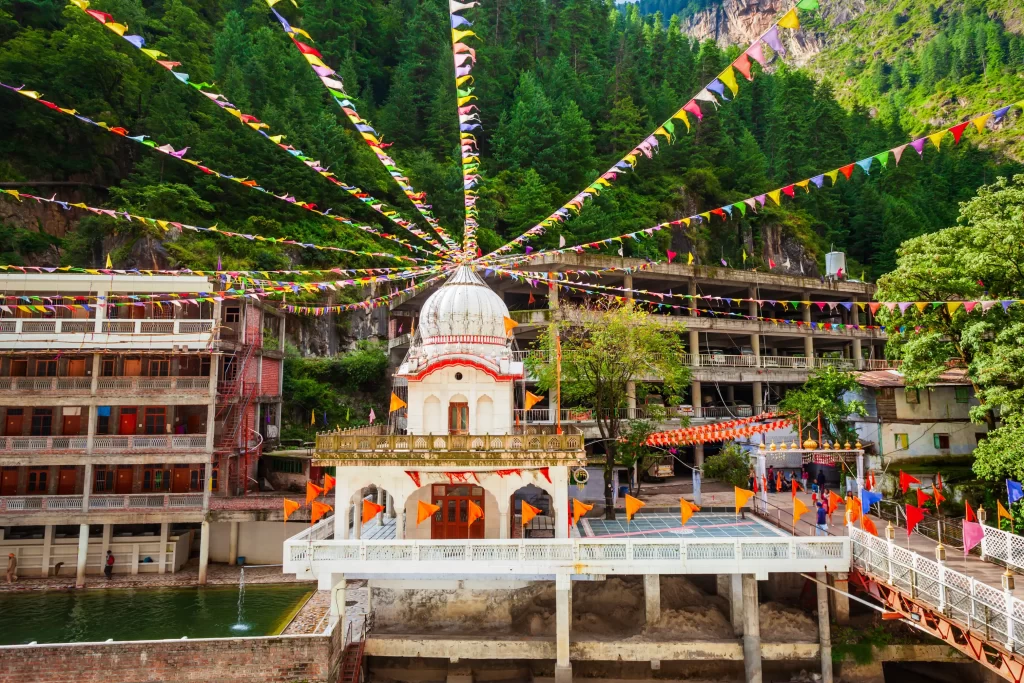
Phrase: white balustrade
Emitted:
{"points": [[43, 443], [190, 442], [61, 326], [134, 501]]}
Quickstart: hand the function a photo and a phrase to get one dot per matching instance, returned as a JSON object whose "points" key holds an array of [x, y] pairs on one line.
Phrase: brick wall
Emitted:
{"points": [[270, 376], [227, 660]]}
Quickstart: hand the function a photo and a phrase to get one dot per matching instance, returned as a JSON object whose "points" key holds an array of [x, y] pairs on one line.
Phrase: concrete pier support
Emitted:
{"points": [[357, 519], [841, 603], [47, 548], [824, 634], [233, 544], [698, 455], [695, 398], [751, 630], [341, 515], [730, 587], [758, 404], [204, 551], [652, 597], [165, 532], [563, 619], [382, 501], [108, 533], [83, 553], [336, 584]]}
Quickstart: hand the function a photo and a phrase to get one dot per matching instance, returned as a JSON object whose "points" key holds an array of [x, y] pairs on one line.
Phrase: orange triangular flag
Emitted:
{"points": [[632, 505], [312, 492], [425, 511], [529, 512], [867, 525], [853, 506], [396, 403], [290, 506], [799, 508], [475, 512], [686, 510], [318, 510], [834, 502], [371, 510], [579, 509], [742, 496], [532, 399], [329, 483], [510, 325], [1002, 512], [795, 484]]}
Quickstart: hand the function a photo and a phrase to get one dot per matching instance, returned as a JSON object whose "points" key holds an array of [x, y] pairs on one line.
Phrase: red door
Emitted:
{"points": [[9, 481], [124, 479], [452, 520], [181, 480], [128, 423], [14, 421], [66, 480], [72, 425]]}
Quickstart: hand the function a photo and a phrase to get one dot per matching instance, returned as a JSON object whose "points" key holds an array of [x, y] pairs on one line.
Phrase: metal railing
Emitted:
{"points": [[990, 612], [177, 442], [104, 326], [588, 416], [79, 385], [135, 501], [724, 360]]}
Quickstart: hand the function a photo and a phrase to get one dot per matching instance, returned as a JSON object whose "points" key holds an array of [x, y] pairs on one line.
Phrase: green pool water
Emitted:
{"points": [[147, 614]]}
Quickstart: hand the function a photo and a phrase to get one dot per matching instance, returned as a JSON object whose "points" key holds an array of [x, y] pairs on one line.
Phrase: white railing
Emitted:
{"points": [[36, 503], [1003, 547], [145, 501], [43, 443], [180, 442], [153, 384], [304, 556], [73, 326], [586, 416], [991, 612], [723, 360], [62, 384]]}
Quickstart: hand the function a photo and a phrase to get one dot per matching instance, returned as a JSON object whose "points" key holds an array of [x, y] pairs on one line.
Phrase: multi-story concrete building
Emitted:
{"points": [[130, 405]]}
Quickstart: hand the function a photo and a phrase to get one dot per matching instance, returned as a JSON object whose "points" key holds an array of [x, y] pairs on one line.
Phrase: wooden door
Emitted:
{"points": [[19, 367], [123, 483], [451, 521], [66, 480], [132, 367], [15, 417], [9, 481], [127, 425], [193, 422], [76, 367], [458, 418], [72, 425], [180, 483]]}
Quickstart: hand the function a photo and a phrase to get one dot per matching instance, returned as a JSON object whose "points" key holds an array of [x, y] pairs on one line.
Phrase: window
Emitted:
{"points": [[941, 441], [156, 479], [215, 479], [108, 366], [154, 420], [458, 418], [902, 442], [233, 314], [37, 480], [103, 479], [196, 478], [286, 465], [42, 421], [912, 395], [160, 367], [19, 367], [963, 394], [46, 368], [103, 422]]}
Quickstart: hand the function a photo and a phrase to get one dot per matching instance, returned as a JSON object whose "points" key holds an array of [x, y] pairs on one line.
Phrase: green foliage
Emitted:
{"points": [[633, 451], [980, 258], [825, 393], [730, 465]]}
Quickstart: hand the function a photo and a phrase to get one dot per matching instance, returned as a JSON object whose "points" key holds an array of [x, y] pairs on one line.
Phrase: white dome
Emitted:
{"points": [[464, 307]]}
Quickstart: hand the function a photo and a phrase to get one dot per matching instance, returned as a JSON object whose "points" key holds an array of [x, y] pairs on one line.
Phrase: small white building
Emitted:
{"points": [[929, 422]]}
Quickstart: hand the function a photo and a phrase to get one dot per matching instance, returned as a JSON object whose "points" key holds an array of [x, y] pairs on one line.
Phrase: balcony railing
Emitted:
{"points": [[73, 326], [153, 384], [722, 360], [139, 442], [587, 416], [61, 384], [134, 501], [18, 444]]}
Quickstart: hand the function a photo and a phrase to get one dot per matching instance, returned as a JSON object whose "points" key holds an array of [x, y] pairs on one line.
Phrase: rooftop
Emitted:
{"points": [[894, 378]]}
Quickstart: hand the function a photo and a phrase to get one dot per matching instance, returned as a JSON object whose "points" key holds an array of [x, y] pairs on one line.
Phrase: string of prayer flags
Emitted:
{"points": [[312, 492], [529, 512], [335, 88], [464, 58], [260, 127], [579, 509], [686, 510], [632, 506], [244, 181], [318, 510], [371, 510], [709, 94], [290, 506], [425, 511], [742, 496]]}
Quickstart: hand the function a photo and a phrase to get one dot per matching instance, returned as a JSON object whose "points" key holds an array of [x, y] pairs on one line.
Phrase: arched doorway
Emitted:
{"points": [[451, 521], [541, 526]]}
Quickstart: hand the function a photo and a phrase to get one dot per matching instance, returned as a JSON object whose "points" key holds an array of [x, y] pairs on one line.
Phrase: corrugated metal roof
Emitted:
{"points": [[894, 378]]}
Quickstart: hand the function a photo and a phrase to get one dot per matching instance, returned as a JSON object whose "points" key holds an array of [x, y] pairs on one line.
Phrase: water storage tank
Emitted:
{"points": [[834, 262]]}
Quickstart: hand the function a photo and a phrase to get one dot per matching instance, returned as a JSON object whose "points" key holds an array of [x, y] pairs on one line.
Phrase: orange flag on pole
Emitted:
{"points": [[290, 506], [795, 484], [529, 512], [475, 512], [799, 508], [371, 510], [867, 525], [632, 505], [686, 510], [742, 496], [579, 509], [329, 483], [853, 507], [834, 502], [312, 492], [425, 511], [396, 403], [318, 510]]}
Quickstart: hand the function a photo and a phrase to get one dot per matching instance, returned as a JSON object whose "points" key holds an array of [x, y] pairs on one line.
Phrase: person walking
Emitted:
{"points": [[820, 480], [108, 568], [822, 520], [12, 568]]}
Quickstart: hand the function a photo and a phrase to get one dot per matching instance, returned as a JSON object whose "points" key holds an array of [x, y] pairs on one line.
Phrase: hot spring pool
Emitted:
{"points": [[147, 613]]}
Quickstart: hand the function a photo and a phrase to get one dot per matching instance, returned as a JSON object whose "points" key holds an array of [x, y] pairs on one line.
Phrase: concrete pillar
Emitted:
{"points": [[341, 512], [630, 400], [47, 547], [758, 398], [391, 507], [335, 583], [563, 618], [755, 345], [751, 630], [809, 339], [627, 284], [381, 500], [83, 553], [204, 551], [858, 354], [691, 289], [86, 488], [840, 603], [108, 533], [165, 532], [400, 523], [93, 411], [560, 501], [730, 392], [503, 523], [729, 587], [695, 348], [652, 597], [824, 635], [357, 518], [698, 455], [695, 397], [233, 544]]}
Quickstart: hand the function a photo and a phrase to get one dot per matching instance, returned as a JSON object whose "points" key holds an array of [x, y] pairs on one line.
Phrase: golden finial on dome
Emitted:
{"points": [[760, 446], [846, 446], [773, 447], [859, 446], [810, 444]]}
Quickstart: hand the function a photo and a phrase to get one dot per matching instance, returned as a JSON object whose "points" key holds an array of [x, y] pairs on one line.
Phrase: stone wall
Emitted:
{"points": [[275, 659]]}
